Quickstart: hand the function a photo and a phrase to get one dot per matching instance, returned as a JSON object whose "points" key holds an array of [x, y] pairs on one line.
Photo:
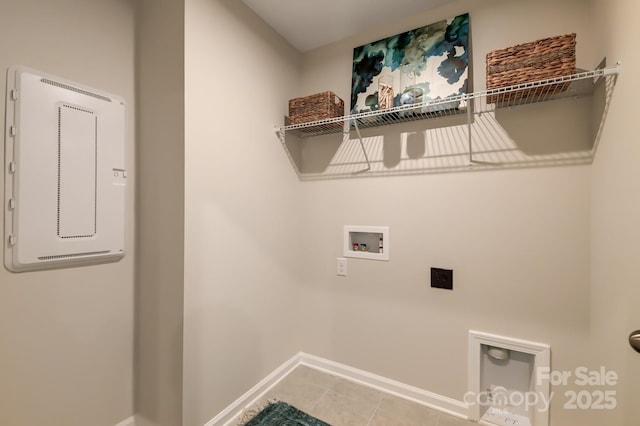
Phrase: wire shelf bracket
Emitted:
{"points": [[476, 104]]}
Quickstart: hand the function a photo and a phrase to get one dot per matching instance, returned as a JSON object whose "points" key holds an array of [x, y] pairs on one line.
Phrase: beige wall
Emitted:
{"points": [[517, 240], [615, 208], [260, 248], [160, 216], [66, 336], [243, 243], [538, 253]]}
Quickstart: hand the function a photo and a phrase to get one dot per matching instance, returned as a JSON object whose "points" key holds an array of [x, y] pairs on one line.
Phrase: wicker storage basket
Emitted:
{"points": [[538, 60], [315, 107]]}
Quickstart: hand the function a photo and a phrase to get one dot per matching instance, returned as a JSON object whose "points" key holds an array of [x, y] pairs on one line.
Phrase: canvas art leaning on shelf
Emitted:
{"points": [[420, 65]]}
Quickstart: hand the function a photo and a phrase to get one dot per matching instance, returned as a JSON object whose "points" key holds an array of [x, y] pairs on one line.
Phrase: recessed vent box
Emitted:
{"points": [[65, 175]]}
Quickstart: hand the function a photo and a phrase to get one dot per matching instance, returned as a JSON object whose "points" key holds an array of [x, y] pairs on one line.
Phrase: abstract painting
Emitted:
{"points": [[420, 65]]}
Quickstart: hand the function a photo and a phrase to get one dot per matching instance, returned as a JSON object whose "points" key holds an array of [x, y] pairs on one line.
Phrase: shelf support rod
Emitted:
{"points": [[469, 118], [614, 69], [364, 151]]}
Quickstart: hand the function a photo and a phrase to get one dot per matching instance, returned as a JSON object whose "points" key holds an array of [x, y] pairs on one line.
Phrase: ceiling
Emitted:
{"points": [[308, 24]]}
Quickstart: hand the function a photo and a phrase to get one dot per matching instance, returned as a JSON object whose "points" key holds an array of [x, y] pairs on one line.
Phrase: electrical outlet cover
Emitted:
{"points": [[442, 278]]}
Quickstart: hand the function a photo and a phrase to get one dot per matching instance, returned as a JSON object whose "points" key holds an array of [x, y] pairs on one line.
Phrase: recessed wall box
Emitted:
{"points": [[366, 242], [65, 174], [502, 369]]}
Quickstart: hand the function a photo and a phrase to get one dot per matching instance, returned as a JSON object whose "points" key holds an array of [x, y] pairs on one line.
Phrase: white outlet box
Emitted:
{"points": [[366, 242]]}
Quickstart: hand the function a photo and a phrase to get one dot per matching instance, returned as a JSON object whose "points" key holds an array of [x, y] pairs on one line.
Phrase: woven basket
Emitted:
{"points": [[315, 107], [524, 63]]}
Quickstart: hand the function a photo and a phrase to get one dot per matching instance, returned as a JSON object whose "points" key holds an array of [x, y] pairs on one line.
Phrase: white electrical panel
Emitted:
{"points": [[65, 174]]}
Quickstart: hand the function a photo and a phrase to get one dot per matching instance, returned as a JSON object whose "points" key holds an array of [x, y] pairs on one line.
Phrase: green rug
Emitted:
{"points": [[283, 414]]}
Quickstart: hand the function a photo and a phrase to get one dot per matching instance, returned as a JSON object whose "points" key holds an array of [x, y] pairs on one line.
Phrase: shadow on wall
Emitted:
{"points": [[563, 132]]}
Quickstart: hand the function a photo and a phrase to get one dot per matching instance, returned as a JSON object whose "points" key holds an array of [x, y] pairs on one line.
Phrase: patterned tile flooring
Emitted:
{"points": [[341, 402]]}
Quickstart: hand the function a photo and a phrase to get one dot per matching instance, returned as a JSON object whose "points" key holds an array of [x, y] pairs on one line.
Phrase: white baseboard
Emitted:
{"points": [[131, 421], [383, 384], [438, 402], [235, 410]]}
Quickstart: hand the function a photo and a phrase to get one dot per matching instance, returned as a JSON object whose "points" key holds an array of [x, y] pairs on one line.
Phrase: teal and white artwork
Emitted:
{"points": [[421, 65]]}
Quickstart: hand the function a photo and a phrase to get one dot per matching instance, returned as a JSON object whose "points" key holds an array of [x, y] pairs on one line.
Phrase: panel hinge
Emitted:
{"points": [[12, 203], [12, 240], [14, 94], [12, 130], [12, 167]]}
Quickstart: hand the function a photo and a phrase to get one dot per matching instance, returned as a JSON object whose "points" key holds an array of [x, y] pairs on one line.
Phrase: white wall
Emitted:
{"points": [[243, 241], [66, 352], [517, 240]]}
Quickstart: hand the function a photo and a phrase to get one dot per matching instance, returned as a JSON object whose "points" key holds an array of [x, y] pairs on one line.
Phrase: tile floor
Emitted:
{"points": [[341, 402]]}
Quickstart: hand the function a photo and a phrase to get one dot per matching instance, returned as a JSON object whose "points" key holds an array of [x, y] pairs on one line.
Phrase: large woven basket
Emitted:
{"points": [[315, 107], [524, 63]]}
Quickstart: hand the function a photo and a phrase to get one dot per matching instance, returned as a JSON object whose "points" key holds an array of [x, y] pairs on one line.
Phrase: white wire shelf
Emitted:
{"points": [[473, 140], [575, 85]]}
